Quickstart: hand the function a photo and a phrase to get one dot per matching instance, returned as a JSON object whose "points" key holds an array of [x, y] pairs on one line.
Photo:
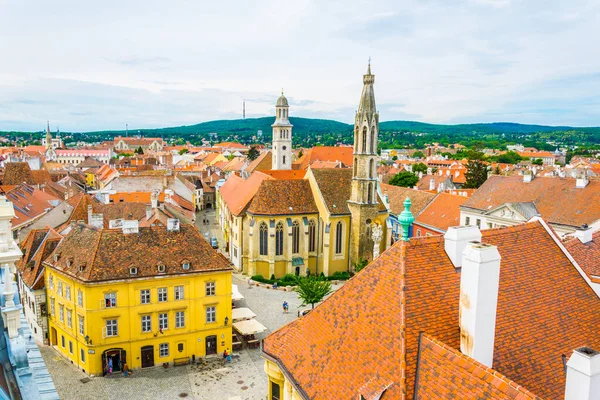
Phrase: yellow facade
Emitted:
{"points": [[81, 318], [90, 179], [279, 382]]}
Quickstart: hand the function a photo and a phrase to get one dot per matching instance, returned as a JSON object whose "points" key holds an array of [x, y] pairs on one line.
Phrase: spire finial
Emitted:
{"points": [[369, 67], [282, 91]]}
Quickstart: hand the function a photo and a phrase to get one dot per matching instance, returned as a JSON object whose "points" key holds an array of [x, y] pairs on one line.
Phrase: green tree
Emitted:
{"points": [[312, 290], [404, 179], [394, 158], [253, 153], [360, 264], [300, 154], [183, 151], [418, 154], [419, 167], [139, 150], [537, 161], [476, 174]]}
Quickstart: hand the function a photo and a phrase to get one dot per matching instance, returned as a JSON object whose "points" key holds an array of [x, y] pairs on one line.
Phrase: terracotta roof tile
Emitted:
{"points": [[283, 197], [345, 154], [446, 373], [36, 247], [373, 322], [335, 185], [237, 192], [397, 195], [263, 162], [108, 254], [16, 173], [557, 199], [587, 255], [443, 212]]}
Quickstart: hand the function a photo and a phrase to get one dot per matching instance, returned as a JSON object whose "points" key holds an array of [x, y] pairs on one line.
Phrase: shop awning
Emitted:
{"points": [[235, 293], [249, 327], [240, 314]]}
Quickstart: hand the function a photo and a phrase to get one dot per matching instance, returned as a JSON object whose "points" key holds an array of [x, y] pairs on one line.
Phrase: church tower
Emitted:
{"points": [[282, 136], [363, 203], [48, 137]]}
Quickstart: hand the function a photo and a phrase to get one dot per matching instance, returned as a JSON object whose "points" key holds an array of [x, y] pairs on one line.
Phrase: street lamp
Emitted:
{"points": [[226, 320]]}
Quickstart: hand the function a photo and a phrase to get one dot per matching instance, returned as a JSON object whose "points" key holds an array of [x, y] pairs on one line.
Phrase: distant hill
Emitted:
{"points": [[309, 132]]}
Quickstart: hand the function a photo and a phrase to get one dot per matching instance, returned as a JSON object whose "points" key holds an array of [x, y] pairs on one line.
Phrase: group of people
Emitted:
{"points": [[205, 221], [125, 368], [226, 357]]}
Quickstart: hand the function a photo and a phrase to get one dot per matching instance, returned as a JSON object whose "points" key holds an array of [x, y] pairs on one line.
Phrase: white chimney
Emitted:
{"points": [[173, 225], [584, 234], [456, 239], [154, 199], [581, 182], [527, 177], [130, 227], [431, 183], [583, 375], [479, 281], [149, 210]]}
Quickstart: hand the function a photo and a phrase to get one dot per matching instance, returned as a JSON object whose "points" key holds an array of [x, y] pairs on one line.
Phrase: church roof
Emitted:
{"points": [[335, 185], [283, 197], [282, 101]]}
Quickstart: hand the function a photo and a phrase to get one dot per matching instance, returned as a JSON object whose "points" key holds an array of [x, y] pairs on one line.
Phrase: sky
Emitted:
{"points": [[100, 65]]}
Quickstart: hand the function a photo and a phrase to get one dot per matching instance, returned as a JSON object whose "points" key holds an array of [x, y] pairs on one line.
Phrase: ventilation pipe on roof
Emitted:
{"points": [[456, 239], [583, 375], [479, 281], [584, 234], [431, 183], [527, 176], [582, 181], [154, 199]]}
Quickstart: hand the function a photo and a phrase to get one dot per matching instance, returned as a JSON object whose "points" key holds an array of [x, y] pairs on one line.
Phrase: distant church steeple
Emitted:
{"points": [[282, 136], [363, 203], [48, 136]]}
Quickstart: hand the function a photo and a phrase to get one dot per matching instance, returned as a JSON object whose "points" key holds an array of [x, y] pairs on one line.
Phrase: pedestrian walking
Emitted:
{"points": [[110, 365], [125, 370], [285, 307]]}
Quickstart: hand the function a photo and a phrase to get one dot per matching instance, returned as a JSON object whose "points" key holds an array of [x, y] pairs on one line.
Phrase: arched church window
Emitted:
{"points": [[372, 143], [371, 168], [355, 164], [338, 238], [283, 162], [364, 140], [295, 237], [355, 140], [370, 193], [279, 239], [311, 235], [263, 235], [280, 134]]}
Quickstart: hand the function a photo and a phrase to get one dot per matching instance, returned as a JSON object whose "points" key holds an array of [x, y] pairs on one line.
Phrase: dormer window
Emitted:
{"points": [[161, 268], [82, 267], [186, 265], [69, 261], [133, 271], [56, 256]]}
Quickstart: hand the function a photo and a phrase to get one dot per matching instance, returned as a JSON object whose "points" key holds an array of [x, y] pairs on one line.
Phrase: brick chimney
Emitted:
{"points": [[479, 281], [456, 239], [583, 375], [584, 234]]}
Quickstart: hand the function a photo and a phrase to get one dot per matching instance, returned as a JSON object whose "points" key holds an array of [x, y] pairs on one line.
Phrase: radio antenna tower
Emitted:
{"points": [[244, 109]]}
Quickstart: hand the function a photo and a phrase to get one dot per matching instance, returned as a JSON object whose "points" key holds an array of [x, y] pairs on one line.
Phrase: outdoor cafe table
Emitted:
{"points": [[249, 327], [235, 293]]}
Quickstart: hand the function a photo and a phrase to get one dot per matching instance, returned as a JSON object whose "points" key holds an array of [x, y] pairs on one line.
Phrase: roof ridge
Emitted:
{"points": [[93, 262]]}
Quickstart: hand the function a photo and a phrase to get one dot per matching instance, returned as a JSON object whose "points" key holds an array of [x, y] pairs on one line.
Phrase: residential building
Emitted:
{"points": [[394, 196], [141, 296], [467, 315], [131, 144], [440, 214], [565, 203]]}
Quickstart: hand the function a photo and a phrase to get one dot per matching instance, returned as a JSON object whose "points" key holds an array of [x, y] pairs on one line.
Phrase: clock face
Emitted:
{"points": [[284, 147]]}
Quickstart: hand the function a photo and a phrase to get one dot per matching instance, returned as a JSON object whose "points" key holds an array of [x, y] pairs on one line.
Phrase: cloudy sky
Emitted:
{"points": [[99, 65]]}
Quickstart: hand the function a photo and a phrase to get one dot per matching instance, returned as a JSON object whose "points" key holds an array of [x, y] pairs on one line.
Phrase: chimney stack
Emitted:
{"points": [[431, 183], [583, 375], [149, 211], [90, 213], [173, 225], [456, 239], [479, 281], [154, 199], [582, 181], [527, 176], [584, 234]]}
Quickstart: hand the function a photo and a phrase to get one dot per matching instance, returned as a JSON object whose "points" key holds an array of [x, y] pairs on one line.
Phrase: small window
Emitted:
{"points": [[70, 347], [163, 321], [164, 350], [211, 314], [275, 391], [211, 288], [178, 292], [467, 221], [110, 300], [418, 233], [61, 310], [179, 319], [145, 296], [79, 298], [133, 271], [162, 294], [111, 327], [81, 325], [62, 341], [82, 355], [146, 323], [180, 347], [59, 290], [51, 282], [68, 292], [51, 306], [69, 318], [186, 266], [161, 268], [478, 223]]}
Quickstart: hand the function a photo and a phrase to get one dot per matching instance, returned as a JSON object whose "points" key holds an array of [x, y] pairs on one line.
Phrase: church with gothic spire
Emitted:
{"points": [[301, 220]]}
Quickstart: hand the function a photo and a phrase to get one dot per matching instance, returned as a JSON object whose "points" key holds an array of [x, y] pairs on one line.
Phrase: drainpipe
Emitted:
{"points": [[348, 250], [318, 245]]}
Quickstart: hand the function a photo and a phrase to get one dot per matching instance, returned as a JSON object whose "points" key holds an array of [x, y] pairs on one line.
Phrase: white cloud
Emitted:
{"points": [[101, 65]]}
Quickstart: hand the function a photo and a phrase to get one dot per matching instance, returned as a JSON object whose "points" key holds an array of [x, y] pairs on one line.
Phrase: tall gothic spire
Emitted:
{"points": [[367, 98]]}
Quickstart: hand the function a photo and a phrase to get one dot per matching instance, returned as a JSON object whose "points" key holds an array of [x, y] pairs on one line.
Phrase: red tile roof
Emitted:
{"points": [[396, 196], [36, 247], [283, 197], [557, 199], [446, 373], [587, 255], [344, 154], [108, 254], [442, 213], [237, 192], [369, 328]]}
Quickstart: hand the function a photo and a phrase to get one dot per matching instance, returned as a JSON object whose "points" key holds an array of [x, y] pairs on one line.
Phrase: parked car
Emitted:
{"points": [[213, 243]]}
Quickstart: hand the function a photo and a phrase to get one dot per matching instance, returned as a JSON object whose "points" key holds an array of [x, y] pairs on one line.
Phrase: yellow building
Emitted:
{"points": [[141, 296]]}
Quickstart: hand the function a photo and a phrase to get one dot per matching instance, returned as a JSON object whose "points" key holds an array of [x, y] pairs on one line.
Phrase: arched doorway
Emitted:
{"points": [[113, 358]]}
